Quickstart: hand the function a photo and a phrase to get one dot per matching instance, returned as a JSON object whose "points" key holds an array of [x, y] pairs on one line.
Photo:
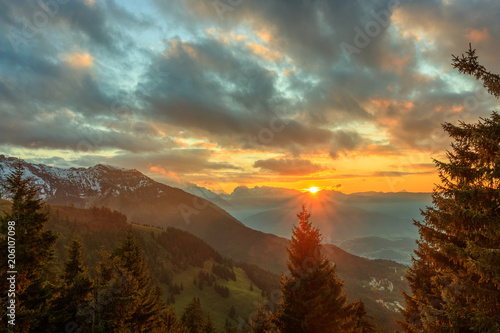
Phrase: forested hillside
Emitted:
{"points": [[178, 260], [184, 265]]}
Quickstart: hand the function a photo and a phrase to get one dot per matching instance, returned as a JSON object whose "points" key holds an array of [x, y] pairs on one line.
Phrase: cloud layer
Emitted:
{"points": [[245, 91]]}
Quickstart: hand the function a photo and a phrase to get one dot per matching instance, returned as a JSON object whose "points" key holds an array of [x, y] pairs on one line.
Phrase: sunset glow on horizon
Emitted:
{"points": [[313, 189], [189, 94]]}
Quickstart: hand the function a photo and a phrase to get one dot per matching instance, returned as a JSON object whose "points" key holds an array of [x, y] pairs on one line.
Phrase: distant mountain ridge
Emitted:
{"points": [[148, 202], [340, 217], [145, 201]]}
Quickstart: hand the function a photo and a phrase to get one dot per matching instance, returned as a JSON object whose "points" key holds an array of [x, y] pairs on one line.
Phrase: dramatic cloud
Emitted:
{"points": [[344, 142], [296, 167], [190, 90], [174, 160]]}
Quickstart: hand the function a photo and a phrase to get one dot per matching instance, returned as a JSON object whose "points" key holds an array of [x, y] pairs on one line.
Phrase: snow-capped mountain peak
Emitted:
{"points": [[82, 185]]}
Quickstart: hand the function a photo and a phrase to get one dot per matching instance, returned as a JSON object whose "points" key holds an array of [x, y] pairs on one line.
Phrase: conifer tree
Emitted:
{"points": [[232, 312], [170, 323], [33, 256], [361, 322], [208, 325], [147, 302], [263, 321], [75, 289], [313, 299], [124, 298], [112, 303], [192, 317], [455, 277], [228, 328]]}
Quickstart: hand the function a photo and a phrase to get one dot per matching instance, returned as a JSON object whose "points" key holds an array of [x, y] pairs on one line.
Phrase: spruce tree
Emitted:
{"points": [[147, 302], [33, 256], [313, 299], [192, 317], [75, 289], [113, 299], [208, 325], [263, 321], [227, 327], [360, 321], [232, 312], [124, 298], [455, 277], [170, 323]]}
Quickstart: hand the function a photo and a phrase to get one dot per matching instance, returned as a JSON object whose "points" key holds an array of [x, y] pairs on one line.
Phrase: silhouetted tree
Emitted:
{"points": [[170, 323], [361, 321], [33, 256], [192, 317], [228, 328], [263, 321], [147, 302], [74, 291], [208, 325], [313, 298], [455, 277], [124, 298]]}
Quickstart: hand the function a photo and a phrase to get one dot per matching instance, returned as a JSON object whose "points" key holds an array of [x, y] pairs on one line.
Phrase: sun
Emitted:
{"points": [[313, 189]]}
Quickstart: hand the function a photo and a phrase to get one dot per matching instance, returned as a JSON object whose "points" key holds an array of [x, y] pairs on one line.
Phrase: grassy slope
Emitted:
{"points": [[240, 295], [75, 221]]}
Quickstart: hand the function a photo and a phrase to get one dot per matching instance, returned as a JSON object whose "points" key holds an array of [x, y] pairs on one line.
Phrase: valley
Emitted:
{"points": [[155, 209]]}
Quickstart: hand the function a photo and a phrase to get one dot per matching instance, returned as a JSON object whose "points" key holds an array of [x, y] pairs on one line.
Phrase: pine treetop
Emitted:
{"points": [[455, 277]]}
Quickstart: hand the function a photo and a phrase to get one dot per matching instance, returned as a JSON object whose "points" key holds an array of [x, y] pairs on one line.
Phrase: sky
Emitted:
{"points": [[342, 95]]}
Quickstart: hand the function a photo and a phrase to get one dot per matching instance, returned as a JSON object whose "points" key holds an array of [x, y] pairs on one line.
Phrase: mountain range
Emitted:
{"points": [[380, 221], [340, 216], [147, 202]]}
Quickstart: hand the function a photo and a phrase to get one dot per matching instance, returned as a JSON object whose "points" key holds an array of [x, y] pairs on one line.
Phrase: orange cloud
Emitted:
{"points": [[79, 60], [385, 103], [265, 35], [205, 145], [384, 106], [264, 52], [170, 175], [475, 35], [224, 37]]}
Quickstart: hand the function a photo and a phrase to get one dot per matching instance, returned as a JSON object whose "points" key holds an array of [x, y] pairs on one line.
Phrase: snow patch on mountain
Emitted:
{"points": [[55, 184]]}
